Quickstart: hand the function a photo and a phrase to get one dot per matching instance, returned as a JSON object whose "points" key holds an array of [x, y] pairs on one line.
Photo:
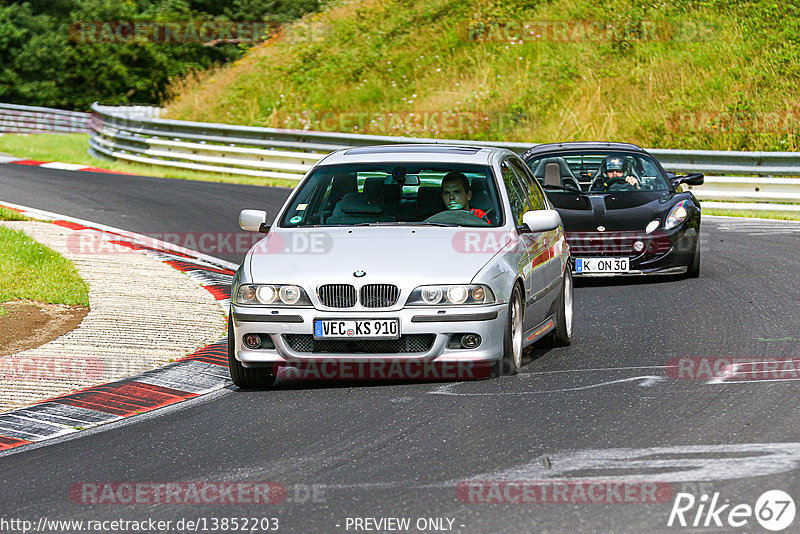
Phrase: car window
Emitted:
{"points": [[402, 193], [589, 170], [517, 192], [535, 195]]}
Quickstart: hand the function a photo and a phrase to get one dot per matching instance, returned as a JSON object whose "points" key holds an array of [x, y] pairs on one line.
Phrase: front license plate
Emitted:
{"points": [[356, 328], [602, 265]]}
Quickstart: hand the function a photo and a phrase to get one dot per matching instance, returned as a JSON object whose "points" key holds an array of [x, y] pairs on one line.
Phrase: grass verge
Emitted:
{"points": [[717, 74], [72, 148], [761, 214], [29, 270], [11, 215]]}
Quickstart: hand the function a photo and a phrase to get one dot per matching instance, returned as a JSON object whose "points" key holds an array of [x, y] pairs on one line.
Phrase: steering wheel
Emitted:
{"points": [[601, 185], [616, 181], [459, 217]]}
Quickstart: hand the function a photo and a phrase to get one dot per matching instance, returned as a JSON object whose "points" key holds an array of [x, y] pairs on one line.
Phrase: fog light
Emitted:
{"points": [[470, 341], [252, 341], [638, 246]]}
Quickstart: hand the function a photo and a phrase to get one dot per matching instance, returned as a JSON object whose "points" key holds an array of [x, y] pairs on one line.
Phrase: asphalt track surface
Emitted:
{"points": [[605, 408]]}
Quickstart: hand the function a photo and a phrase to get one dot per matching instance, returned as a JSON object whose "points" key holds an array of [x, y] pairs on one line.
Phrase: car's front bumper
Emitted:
{"points": [[291, 334], [665, 253]]}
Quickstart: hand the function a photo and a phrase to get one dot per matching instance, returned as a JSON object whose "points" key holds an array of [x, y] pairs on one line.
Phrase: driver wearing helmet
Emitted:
{"points": [[615, 170]]}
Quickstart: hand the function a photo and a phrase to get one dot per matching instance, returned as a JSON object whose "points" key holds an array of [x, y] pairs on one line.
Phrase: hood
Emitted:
{"points": [[406, 256], [615, 211]]}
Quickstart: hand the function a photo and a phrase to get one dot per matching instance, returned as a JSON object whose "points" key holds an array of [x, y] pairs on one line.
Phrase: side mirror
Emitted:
{"points": [[541, 220], [696, 178], [253, 221]]}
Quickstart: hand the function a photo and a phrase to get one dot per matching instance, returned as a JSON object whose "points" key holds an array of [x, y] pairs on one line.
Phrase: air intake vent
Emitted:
{"points": [[410, 343], [337, 295], [379, 295]]}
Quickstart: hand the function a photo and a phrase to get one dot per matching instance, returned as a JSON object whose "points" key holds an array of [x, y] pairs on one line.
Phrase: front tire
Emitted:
{"points": [[511, 362], [694, 267], [561, 336], [257, 377]]}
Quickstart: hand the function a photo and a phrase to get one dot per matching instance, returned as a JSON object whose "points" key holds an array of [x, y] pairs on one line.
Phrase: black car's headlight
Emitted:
{"points": [[677, 214], [271, 295], [451, 295]]}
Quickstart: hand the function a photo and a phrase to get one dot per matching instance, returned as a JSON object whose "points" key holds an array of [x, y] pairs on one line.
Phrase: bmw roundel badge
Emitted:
{"points": [[359, 274]]}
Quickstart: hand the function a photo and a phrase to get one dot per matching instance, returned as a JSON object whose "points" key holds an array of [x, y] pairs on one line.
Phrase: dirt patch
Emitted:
{"points": [[28, 324]]}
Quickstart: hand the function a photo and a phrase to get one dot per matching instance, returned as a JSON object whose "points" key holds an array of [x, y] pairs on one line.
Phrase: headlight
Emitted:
{"points": [[677, 214], [431, 295], [271, 295], [451, 295]]}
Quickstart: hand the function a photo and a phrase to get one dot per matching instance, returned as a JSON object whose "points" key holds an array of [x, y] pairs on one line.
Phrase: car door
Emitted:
{"points": [[523, 255], [551, 243]]}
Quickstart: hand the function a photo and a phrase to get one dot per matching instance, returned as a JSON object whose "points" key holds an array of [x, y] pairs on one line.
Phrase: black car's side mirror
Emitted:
{"points": [[695, 178]]}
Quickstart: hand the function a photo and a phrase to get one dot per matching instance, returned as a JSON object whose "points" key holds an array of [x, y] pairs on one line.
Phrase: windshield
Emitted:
{"points": [[599, 172], [396, 194]]}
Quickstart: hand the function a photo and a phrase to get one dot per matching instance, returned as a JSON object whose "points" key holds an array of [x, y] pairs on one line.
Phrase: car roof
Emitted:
{"points": [[416, 153], [551, 148]]}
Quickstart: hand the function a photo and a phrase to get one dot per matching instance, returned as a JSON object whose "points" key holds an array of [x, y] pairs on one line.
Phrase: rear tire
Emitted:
{"points": [[511, 362], [694, 267], [257, 377]]}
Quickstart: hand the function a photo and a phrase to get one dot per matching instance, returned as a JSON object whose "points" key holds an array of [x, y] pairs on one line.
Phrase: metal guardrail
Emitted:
{"points": [[136, 133], [29, 119]]}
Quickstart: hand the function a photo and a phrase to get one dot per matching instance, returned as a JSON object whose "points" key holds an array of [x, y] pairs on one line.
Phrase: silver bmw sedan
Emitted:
{"points": [[402, 262]]}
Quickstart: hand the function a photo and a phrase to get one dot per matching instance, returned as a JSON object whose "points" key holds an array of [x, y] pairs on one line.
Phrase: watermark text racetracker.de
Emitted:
{"points": [[387, 369], [563, 492], [52, 367], [575, 31], [731, 369], [183, 525], [389, 122], [211, 243], [170, 32], [717, 122], [196, 492]]}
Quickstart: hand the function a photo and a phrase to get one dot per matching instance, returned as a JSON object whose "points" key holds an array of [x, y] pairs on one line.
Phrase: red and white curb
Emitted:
{"points": [[201, 372], [55, 165]]}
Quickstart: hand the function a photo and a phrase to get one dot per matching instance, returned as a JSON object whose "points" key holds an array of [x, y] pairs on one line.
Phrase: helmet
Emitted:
{"points": [[615, 163]]}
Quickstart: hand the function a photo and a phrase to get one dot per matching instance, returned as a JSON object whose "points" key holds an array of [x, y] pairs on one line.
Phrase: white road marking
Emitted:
{"points": [[688, 463], [730, 373], [446, 389], [63, 166], [601, 369]]}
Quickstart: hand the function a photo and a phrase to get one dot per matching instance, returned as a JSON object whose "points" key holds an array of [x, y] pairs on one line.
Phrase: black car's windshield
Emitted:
{"points": [[389, 194], [599, 172]]}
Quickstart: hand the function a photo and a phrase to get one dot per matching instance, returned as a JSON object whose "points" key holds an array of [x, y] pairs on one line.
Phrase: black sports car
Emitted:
{"points": [[622, 212]]}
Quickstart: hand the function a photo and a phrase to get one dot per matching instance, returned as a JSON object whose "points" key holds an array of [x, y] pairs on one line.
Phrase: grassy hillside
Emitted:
{"points": [[715, 74]]}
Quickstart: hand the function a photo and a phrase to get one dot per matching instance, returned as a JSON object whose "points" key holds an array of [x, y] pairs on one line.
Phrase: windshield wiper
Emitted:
{"points": [[567, 189], [423, 223], [405, 223]]}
